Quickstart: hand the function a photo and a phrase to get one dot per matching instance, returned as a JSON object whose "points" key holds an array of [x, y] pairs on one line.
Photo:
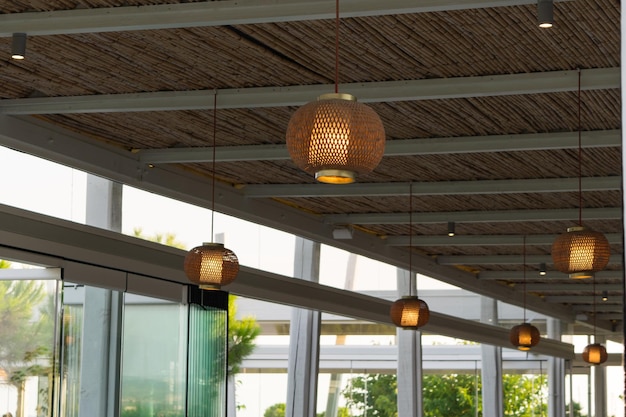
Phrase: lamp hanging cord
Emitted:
{"points": [[594, 309], [580, 155], [524, 273], [412, 282], [336, 46], [213, 164]]}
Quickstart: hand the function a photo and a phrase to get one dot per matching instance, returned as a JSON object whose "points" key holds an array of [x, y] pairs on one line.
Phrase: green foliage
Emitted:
{"points": [[241, 335], [372, 395], [275, 410], [451, 395], [21, 336], [168, 238], [524, 395], [458, 395]]}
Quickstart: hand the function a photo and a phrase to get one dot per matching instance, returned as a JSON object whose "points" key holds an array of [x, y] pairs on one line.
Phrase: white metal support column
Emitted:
{"points": [[491, 368], [304, 335], [409, 373], [599, 385], [556, 374], [101, 349]]}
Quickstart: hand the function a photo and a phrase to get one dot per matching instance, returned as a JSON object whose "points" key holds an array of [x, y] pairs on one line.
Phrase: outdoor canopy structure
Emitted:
{"points": [[478, 105]]}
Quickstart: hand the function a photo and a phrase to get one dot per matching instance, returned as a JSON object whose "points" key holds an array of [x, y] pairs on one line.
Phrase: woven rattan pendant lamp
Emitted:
{"points": [[524, 336], [580, 252], [335, 137], [409, 312], [211, 265], [595, 353]]}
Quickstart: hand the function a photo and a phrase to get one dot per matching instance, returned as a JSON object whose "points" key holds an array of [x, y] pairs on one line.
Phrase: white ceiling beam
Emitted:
{"points": [[582, 299], [388, 91], [427, 146], [483, 240], [504, 259], [550, 276], [560, 287], [474, 216], [598, 307], [167, 16], [547, 185]]}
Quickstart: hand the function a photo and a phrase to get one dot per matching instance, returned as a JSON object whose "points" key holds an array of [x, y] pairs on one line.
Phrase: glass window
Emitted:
{"points": [[153, 358], [28, 311]]}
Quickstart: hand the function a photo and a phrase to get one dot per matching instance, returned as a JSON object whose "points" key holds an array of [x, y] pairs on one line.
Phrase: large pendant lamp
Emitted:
{"points": [[580, 252], [211, 265], [335, 137], [409, 312], [524, 336], [595, 353]]}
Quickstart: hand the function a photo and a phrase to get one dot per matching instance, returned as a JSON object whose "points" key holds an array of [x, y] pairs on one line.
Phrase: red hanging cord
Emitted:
{"points": [[580, 154], [411, 276], [213, 164], [336, 46], [524, 272]]}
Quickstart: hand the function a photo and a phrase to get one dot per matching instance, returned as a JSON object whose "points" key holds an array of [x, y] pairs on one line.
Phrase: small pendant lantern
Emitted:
{"points": [[595, 353], [524, 336], [580, 252], [211, 265], [409, 312]]}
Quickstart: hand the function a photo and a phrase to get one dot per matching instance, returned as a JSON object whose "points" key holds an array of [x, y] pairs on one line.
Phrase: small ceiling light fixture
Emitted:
{"points": [[545, 13], [524, 336], [605, 296], [409, 312], [451, 229], [595, 353], [580, 252], [542, 269], [211, 265], [18, 46], [335, 137]]}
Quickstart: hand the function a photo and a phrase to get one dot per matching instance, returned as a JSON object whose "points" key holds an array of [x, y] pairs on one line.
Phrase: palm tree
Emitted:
{"points": [[24, 340]]}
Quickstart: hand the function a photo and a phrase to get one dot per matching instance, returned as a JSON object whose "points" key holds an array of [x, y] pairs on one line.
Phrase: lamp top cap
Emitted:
{"points": [[337, 96]]}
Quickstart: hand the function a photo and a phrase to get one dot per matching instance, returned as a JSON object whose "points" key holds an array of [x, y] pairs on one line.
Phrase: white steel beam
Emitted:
{"points": [[504, 259], [605, 213], [388, 91], [483, 240], [166, 16], [582, 299], [81, 244], [551, 275], [548, 185], [560, 287], [427, 146]]}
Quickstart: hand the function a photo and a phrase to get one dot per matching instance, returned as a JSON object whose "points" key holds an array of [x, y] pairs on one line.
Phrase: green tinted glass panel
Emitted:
{"points": [[207, 362], [153, 358]]}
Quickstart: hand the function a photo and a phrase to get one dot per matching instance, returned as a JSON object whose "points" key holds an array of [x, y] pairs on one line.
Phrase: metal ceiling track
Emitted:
{"points": [[447, 188], [484, 240], [205, 14], [371, 92], [405, 147], [475, 216]]}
